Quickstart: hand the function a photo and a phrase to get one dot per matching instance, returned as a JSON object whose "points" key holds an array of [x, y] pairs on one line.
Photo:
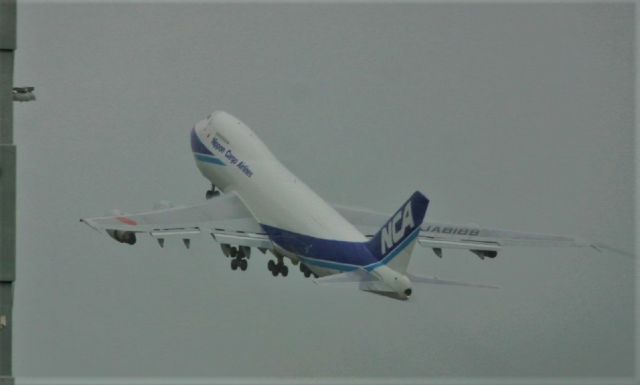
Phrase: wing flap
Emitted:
{"points": [[175, 233], [250, 240]]}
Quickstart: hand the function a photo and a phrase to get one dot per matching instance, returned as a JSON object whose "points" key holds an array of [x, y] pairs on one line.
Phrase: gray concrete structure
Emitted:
{"points": [[7, 186]]}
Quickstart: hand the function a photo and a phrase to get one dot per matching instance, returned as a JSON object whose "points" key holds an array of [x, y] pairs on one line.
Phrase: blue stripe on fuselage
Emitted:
{"points": [[352, 253], [208, 159], [332, 254], [201, 152], [196, 144]]}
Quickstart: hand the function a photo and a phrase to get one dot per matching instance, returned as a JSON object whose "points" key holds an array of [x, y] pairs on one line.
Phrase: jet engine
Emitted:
{"points": [[121, 236], [482, 254], [128, 237]]}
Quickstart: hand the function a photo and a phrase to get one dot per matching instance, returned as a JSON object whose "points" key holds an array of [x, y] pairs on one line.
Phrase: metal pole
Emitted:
{"points": [[7, 187]]}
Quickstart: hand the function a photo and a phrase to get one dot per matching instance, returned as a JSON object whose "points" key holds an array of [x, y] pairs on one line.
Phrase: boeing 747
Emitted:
{"points": [[264, 206]]}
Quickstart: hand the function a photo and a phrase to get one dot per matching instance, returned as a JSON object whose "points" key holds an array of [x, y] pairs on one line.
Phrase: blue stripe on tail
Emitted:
{"points": [[400, 228]]}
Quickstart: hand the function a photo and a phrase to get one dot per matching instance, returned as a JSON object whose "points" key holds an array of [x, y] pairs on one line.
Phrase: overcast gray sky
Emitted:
{"points": [[511, 116]]}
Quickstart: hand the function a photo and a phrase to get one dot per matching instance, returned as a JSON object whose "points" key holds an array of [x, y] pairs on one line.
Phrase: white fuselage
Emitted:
{"points": [[234, 159], [273, 195]]}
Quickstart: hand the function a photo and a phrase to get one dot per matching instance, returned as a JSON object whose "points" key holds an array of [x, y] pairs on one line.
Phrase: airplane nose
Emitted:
{"points": [[200, 125]]}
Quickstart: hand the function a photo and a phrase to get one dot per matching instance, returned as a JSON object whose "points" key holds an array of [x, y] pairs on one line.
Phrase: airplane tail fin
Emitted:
{"points": [[393, 243]]}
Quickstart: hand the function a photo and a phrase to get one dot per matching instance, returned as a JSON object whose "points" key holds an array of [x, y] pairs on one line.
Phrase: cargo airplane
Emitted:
{"points": [[265, 207]]}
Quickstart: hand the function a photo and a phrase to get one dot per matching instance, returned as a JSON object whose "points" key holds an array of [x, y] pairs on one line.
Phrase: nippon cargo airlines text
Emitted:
{"points": [[230, 156]]}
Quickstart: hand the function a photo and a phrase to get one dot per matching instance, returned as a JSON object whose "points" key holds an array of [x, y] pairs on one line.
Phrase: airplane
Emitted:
{"points": [[255, 202]]}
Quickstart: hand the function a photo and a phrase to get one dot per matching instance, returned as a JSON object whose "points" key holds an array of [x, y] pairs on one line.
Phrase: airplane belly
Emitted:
{"points": [[301, 260], [215, 174]]}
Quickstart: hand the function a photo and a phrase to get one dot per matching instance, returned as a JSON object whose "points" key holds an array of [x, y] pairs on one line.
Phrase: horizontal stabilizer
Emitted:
{"points": [[602, 246], [354, 276], [359, 277], [438, 281]]}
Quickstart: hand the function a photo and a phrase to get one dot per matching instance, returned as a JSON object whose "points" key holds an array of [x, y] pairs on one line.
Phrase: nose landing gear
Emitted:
{"points": [[214, 192]]}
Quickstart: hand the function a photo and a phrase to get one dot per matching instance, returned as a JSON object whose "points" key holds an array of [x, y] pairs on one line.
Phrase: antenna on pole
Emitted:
{"points": [[7, 184], [23, 94]]}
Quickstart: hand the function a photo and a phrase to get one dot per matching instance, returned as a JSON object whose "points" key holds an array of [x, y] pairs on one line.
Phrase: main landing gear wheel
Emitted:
{"points": [[239, 257], [306, 271], [277, 268]]}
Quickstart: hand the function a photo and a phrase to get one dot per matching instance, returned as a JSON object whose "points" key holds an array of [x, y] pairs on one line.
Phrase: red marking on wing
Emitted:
{"points": [[127, 221]]}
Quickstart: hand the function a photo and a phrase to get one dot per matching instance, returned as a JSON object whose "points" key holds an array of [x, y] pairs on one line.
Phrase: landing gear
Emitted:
{"points": [[306, 271], [238, 255], [214, 192], [278, 267]]}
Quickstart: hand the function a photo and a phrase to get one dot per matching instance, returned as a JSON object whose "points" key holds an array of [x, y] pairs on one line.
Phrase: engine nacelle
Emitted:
{"points": [[482, 254], [128, 237]]}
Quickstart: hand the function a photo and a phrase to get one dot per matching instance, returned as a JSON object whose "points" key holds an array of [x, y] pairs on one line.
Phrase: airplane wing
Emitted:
{"points": [[225, 218], [483, 242]]}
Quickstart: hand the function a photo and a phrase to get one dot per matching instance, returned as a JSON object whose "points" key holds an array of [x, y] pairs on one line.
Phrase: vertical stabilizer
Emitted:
{"points": [[393, 244]]}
